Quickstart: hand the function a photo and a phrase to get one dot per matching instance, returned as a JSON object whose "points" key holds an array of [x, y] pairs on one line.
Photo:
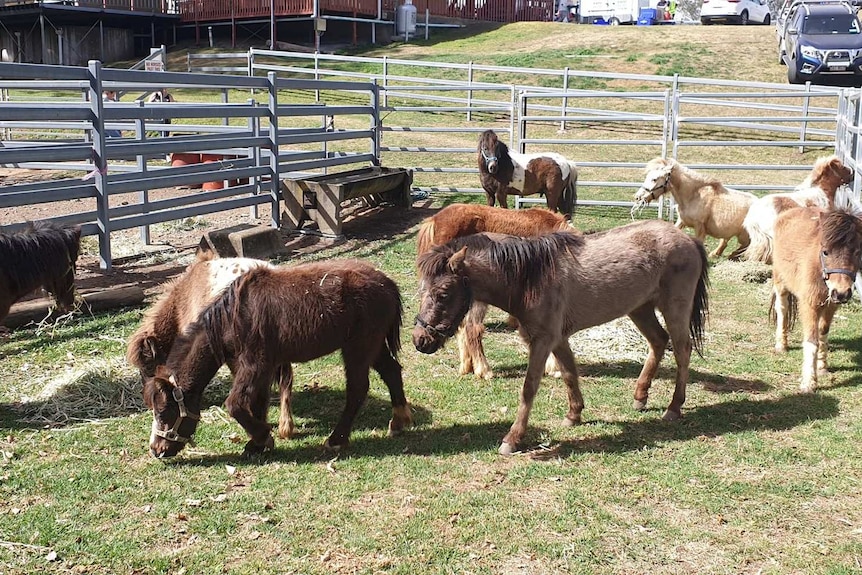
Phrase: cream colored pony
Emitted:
{"points": [[822, 188], [703, 202]]}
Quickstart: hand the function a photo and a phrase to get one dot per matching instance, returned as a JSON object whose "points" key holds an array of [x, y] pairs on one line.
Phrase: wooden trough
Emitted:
{"points": [[319, 198]]}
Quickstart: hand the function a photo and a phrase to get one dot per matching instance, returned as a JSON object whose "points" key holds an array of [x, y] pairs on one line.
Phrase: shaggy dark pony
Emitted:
{"points": [[457, 220], [267, 319], [503, 172], [560, 283], [44, 255]]}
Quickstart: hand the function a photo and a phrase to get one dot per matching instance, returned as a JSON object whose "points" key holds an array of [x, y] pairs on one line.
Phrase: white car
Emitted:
{"points": [[735, 11]]}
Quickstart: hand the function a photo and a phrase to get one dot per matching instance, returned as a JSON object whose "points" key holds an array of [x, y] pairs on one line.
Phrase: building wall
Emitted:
{"points": [[80, 44]]}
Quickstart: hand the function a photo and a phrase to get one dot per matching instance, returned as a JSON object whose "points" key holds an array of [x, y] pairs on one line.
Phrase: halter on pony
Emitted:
{"points": [[826, 271], [172, 434], [488, 159], [663, 187]]}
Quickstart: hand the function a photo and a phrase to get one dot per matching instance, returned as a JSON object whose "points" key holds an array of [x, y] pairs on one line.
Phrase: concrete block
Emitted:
{"points": [[244, 241]]}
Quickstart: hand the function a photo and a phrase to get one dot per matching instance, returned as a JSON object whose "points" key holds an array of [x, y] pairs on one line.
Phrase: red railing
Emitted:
{"points": [[490, 10]]}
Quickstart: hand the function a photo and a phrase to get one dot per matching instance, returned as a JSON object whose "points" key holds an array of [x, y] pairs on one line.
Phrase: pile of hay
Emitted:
{"points": [[93, 391]]}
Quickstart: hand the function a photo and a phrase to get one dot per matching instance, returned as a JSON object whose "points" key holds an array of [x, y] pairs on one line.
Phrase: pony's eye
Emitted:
{"points": [[825, 253], [443, 296]]}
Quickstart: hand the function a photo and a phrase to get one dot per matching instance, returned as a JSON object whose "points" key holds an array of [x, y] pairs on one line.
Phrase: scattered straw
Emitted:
{"points": [[96, 390], [613, 341], [743, 271]]}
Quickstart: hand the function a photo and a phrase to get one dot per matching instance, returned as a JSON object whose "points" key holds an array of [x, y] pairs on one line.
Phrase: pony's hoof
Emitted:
{"points": [[485, 374], [328, 446], [671, 415], [639, 404], [506, 449], [807, 388], [571, 421], [780, 349], [253, 449]]}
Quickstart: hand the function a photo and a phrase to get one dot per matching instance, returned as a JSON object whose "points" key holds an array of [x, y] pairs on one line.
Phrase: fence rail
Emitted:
{"points": [[329, 115]]}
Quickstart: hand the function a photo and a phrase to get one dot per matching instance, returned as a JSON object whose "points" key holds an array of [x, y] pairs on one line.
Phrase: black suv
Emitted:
{"points": [[822, 42]]}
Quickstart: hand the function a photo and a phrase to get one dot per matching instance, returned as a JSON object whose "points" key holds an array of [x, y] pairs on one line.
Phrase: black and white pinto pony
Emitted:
{"points": [[43, 255], [503, 172]]}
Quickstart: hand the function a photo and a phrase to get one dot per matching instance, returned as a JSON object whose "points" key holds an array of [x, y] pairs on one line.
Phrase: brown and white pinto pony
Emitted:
{"points": [[43, 255], [503, 172], [561, 283], [703, 203], [458, 220], [267, 319], [816, 257], [822, 188], [180, 305]]}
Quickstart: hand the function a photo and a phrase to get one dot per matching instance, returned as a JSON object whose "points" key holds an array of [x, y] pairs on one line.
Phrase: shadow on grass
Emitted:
{"points": [[631, 369], [709, 421]]}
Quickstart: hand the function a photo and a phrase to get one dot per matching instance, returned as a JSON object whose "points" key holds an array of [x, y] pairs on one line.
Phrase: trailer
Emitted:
{"points": [[613, 12]]}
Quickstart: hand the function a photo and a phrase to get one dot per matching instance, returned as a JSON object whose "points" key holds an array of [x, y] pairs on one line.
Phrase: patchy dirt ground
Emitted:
{"points": [[173, 244]]}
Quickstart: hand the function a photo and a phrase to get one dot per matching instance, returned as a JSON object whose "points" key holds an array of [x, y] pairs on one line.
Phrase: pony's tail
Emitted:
{"points": [[791, 313], [760, 245], [570, 193], [425, 237], [700, 307], [393, 337]]}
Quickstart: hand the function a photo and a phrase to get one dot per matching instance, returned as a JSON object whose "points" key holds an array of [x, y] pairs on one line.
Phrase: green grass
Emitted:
{"points": [[754, 479]]}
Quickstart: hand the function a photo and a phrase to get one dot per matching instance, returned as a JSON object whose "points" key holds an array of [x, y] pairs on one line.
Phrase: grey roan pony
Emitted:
{"points": [[560, 283]]}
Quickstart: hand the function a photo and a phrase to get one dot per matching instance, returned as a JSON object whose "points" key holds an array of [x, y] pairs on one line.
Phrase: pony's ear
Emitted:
{"points": [[148, 347], [163, 373], [456, 262]]}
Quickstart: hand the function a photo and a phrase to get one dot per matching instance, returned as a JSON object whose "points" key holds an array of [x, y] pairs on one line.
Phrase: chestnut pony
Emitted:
{"points": [[267, 319], [457, 220], [560, 283], [703, 202], [503, 172], [816, 256], [821, 188], [43, 255], [179, 306]]}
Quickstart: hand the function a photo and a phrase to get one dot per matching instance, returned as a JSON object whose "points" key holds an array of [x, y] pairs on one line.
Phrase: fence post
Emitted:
{"points": [[469, 91], [225, 98], [376, 123], [565, 98], [316, 71], [385, 81], [513, 111], [274, 172], [143, 195], [100, 164], [522, 124], [806, 100], [254, 153]]}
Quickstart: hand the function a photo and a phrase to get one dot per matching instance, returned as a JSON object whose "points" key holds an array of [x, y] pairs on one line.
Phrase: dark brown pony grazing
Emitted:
{"points": [[43, 255], [816, 256], [560, 283], [267, 319], [458, 220], [180, 305], [503, 172]]}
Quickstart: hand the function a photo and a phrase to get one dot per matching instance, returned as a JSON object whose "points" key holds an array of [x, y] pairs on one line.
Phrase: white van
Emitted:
{"points": [[614, 12]]}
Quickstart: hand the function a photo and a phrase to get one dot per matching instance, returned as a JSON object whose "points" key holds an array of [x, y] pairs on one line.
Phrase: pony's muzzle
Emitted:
{"points": [[840, 295], [426, 342]]}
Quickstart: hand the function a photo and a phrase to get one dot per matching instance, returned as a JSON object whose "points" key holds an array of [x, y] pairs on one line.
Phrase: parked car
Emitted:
{"points": [[735, 12], [822, 41]]}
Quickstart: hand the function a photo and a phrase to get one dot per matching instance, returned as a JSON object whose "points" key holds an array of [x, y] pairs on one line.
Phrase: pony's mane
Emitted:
{"points": [[839, 227], [526, 262], [44, 250], [689, 173]]}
